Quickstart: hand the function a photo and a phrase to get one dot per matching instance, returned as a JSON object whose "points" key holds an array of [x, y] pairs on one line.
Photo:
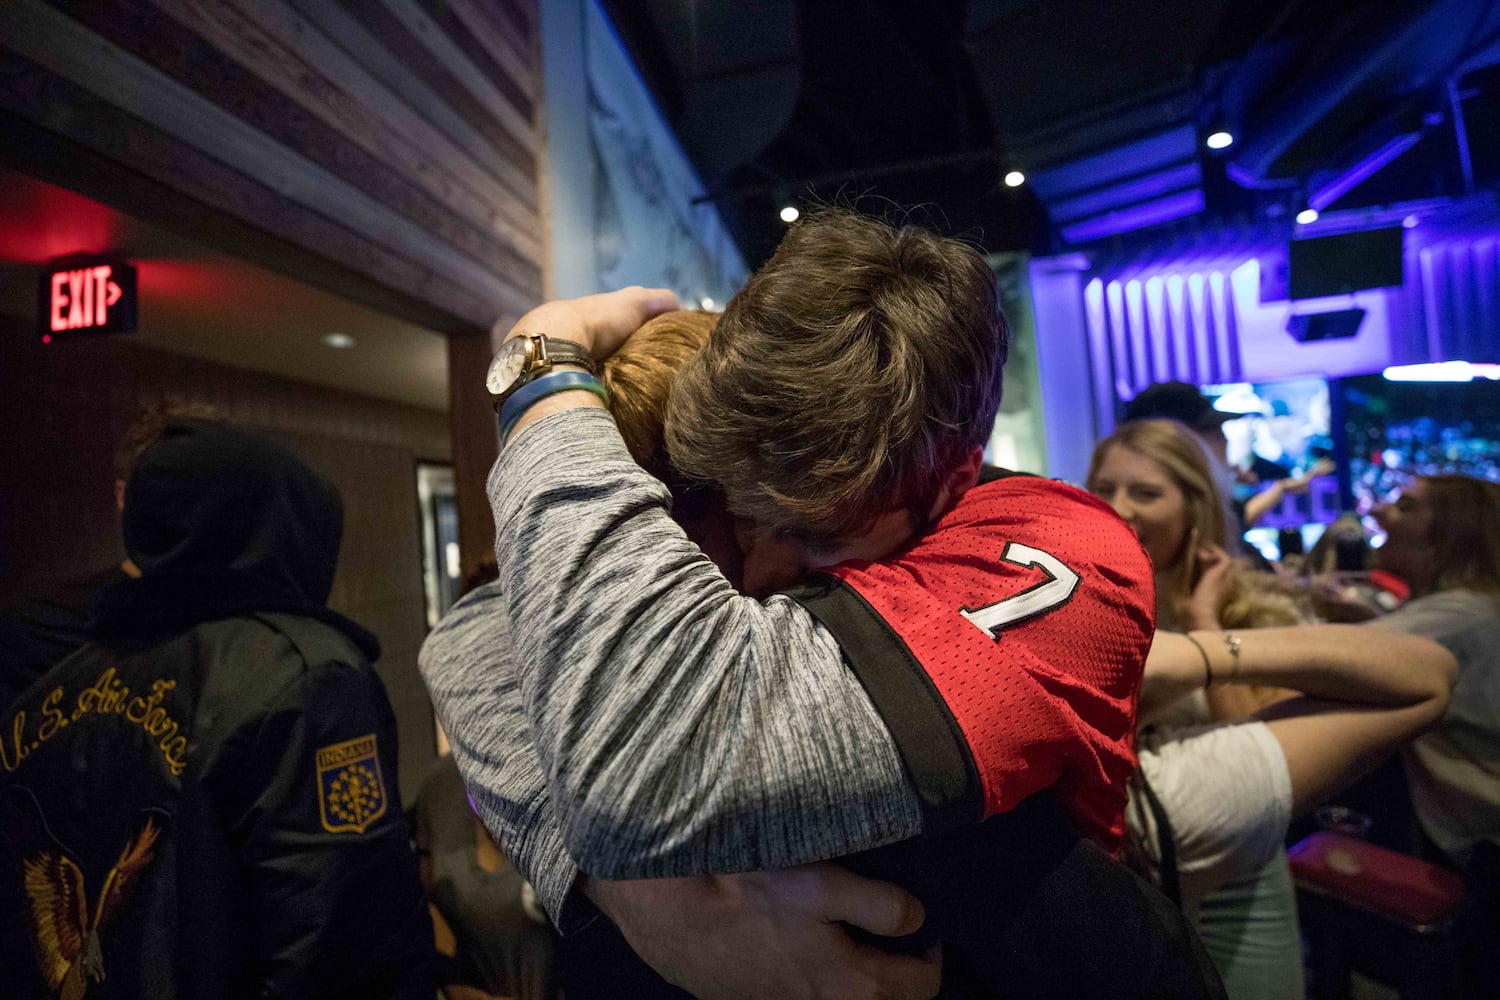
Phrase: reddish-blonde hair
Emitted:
{"points": [[640, 377]]}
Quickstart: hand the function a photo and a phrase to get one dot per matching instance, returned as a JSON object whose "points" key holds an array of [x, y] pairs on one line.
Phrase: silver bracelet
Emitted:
{"points": [[1233, 642]]}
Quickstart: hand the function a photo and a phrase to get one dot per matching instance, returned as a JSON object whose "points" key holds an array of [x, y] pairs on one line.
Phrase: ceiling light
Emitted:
{"points": [[339, 340], [1442, 371], [1410, 222], [706, 303], [1219, 140], [1307, 216], [789, 213], [1015, 179]]}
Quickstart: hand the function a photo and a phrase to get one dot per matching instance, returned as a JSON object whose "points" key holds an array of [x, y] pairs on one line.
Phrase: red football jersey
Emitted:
{"points": [[1004, 650]]}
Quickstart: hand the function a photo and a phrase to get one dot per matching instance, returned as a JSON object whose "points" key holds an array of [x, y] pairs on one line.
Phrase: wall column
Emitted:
{"points": [[475, 444]]}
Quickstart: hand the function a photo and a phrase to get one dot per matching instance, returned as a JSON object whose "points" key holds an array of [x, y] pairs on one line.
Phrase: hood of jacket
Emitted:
{"points": [[224, 523]]}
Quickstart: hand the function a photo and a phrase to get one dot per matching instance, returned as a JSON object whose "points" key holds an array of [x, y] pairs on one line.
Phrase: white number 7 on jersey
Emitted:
{"points": [[1034, 601]]}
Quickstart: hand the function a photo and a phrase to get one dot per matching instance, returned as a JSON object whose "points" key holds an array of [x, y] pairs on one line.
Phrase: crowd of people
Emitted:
{"points": [[778, 689]]}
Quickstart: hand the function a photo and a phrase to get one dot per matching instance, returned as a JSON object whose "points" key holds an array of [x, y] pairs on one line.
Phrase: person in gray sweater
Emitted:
{"points": [[639, 669]]}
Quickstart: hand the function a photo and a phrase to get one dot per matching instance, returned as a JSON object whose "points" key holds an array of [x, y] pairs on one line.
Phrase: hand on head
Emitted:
{"points": [[1201, 607], [601, 323]]}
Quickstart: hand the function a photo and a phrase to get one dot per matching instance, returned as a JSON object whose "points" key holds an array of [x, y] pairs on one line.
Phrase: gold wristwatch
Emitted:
{"points": [[522, 358]]}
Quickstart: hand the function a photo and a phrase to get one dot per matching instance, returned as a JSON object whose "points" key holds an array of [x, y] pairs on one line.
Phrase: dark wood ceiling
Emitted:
{"points": [[930, 104]]}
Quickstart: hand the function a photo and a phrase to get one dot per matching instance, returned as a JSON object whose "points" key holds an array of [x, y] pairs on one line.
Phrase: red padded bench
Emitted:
{"points": [[1362, 904]]}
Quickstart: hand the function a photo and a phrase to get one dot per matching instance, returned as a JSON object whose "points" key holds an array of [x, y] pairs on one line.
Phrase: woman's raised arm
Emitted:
{"points": [[1365, 691]]}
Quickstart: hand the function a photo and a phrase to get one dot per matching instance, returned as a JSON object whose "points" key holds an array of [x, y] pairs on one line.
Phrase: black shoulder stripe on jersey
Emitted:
{"points": [[932, 746]]}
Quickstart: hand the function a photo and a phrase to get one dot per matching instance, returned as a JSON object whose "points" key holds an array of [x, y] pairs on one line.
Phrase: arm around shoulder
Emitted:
{"points": [[682, 727]]}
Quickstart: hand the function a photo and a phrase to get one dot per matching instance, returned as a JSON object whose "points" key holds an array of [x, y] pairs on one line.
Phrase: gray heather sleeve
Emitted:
{"points": [[682, 727], [467, 665]]}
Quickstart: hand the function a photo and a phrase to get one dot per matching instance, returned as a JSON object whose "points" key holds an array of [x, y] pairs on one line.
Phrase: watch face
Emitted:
{"points": [[508, 365]]}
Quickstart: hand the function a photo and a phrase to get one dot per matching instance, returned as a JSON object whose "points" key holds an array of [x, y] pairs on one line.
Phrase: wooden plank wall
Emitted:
{"points": [[387, 150]]}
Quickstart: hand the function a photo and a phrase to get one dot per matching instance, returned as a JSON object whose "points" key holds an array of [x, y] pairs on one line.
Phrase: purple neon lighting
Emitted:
{"points": [[1201, 317], [1162, 354], [1139, 344], [1161, 326], [1154, 152], [1096, 317], [1154, 185], [1219, 306], [1114, 296], [1243, 177], [1138, 216], [1184, 355], [1430, 304], [1198, 304], [1361, 171], [1094, 305]]}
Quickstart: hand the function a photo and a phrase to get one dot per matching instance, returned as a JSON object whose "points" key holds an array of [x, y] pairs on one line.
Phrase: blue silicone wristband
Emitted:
{"points": [[545, 385]]}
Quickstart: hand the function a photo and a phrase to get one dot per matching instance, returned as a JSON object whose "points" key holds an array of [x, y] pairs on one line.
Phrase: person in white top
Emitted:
{"points": [[1443, 539]]}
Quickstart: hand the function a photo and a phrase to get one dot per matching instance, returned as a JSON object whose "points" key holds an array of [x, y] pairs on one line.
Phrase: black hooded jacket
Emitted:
{"points": [[202, 802]]}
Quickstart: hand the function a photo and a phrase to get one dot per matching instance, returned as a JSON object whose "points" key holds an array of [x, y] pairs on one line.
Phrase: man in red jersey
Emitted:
{"points": [[1011, 607]]}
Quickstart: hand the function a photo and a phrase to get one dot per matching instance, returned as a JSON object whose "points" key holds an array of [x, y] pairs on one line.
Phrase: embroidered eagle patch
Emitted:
{"points": [[351, 790], [65, 931]]}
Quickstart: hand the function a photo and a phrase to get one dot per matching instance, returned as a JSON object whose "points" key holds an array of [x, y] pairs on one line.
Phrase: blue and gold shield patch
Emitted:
{"points": [[351, 790]]}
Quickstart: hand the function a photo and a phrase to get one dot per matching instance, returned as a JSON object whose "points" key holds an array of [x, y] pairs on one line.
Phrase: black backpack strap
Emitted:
{"points": [[933, 748], [1166, 841]]}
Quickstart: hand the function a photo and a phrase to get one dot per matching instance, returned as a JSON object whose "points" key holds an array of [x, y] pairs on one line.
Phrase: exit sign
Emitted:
{"points": [[85, 295]]}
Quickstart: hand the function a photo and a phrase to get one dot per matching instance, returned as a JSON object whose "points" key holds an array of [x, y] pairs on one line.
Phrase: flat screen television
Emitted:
{"points": [[1284, 430], [1397, 430], [1382, 432], [1347, 262]]}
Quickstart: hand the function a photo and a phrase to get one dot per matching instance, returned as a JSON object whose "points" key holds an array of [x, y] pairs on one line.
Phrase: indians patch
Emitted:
{"points": [[351, 791]]}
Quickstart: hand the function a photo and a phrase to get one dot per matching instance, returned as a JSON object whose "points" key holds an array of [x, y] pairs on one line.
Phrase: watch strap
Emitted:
{"points": [[566, 352], [546, 384]]}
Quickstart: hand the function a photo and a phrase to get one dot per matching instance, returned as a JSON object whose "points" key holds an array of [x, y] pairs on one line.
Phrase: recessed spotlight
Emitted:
{"points": [[706, 303], [1307, 216], [340, 340], [1219, 140], [1015, 179], [789, 213]]}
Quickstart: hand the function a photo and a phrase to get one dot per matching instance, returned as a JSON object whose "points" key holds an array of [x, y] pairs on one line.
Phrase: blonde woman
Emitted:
{"points": [[1156, 476]]}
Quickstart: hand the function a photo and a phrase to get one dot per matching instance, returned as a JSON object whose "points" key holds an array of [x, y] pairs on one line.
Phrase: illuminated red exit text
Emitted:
{"points": [[82, 298], [86, 295]]}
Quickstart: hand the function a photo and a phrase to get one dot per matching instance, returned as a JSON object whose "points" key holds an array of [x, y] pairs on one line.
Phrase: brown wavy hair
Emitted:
{"points": [[853, 373], [1465, 532]]}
